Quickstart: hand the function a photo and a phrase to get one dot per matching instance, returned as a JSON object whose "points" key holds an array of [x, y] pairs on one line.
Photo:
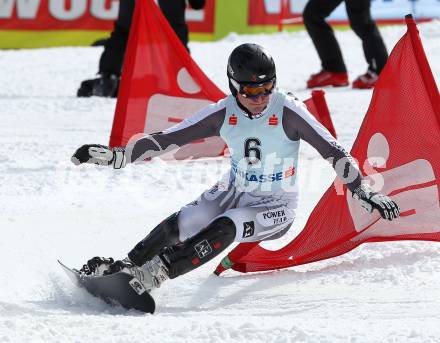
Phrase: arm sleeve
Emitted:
{"points": [[205, 123], [299, 123]]}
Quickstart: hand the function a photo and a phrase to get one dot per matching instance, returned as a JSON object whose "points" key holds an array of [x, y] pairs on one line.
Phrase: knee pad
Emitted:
{"points": [[164, 234], [199, 249]]}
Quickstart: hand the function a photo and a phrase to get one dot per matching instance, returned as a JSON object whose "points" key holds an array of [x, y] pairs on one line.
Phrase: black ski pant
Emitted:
{"points": [[114, 49], [358, 11]]}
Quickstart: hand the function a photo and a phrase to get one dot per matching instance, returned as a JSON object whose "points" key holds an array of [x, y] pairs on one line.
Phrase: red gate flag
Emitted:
{"points": [[397, 149], [161, 85]]}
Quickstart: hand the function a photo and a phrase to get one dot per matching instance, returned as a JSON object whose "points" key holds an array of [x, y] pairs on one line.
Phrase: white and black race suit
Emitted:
{"points": [[260, 191]]}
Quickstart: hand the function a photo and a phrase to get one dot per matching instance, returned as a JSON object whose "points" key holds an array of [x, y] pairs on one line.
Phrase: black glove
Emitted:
{"points": [[100, 154], [370, 200]]}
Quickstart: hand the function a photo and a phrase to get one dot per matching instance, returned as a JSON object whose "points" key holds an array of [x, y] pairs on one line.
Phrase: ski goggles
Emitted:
{"points": [[254, 90]]}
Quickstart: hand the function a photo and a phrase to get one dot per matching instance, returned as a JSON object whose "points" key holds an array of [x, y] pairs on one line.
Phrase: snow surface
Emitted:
{"points": [[50, 209]]}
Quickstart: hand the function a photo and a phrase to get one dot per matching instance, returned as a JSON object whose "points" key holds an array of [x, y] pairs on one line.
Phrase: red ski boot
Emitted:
{"points": [[327, 78], [365, 81]]}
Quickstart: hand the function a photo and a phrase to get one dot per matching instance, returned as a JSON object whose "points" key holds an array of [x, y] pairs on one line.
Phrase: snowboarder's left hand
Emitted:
{"points": [[370, 200], [100, 154]]}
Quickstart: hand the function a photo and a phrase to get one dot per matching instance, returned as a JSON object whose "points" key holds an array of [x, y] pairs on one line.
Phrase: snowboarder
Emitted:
{"points": [[256, 200]]}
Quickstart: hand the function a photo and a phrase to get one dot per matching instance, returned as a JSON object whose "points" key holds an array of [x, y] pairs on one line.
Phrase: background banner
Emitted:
{"points": [[39, 23], [267, 12]]}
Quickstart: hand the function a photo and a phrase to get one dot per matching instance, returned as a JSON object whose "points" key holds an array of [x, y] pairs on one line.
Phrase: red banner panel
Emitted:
{"points": [[82, 15], [201, 21], [269, 13], [58, 15]]}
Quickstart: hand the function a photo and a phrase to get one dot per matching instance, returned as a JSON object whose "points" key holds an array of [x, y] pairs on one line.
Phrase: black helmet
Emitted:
{"points": [[250, 64]]}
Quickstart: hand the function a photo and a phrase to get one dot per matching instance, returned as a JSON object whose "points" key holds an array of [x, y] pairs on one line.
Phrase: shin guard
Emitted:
{"points": [[165, 234], [199, 249]]}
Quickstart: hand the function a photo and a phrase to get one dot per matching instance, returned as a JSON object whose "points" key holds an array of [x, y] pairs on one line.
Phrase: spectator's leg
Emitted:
{"points": [[363, 25], [174, 11], [322, 34], [114, 50]]}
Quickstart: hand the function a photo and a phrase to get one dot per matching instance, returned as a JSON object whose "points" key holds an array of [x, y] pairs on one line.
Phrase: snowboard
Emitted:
{"points": [[121, 288]]}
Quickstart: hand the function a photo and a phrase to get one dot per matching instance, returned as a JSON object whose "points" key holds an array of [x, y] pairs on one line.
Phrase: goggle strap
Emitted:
{"points": [[235, 84]]}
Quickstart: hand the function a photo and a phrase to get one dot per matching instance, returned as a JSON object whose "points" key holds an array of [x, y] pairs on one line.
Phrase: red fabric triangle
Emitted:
{"points": [[161, 84]]}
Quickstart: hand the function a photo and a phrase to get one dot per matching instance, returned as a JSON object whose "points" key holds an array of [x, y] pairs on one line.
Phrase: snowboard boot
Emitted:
{"points": [[327, 78], [151, 274], [106, 85], [96, 266], [365, 81]]}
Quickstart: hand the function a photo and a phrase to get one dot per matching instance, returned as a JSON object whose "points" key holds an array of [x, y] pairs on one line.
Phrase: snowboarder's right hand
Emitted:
{"points": [[100, 154]]}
